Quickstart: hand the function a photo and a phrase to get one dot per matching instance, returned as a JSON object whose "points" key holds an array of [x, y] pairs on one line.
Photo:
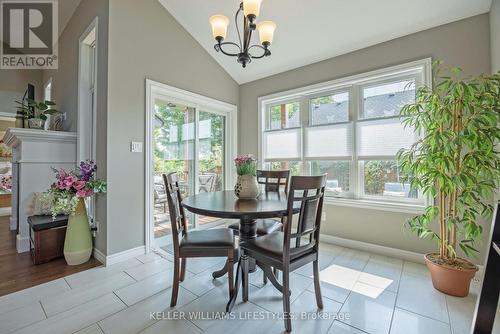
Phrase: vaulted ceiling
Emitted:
{"points": [[312, 30], [66, 10]]}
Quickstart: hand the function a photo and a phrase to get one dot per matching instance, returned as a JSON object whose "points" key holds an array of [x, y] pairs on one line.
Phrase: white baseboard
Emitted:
{"points": [[22, 244], [5, 211], [119, 257], [99, 256], [373, 248], [13, 224]]}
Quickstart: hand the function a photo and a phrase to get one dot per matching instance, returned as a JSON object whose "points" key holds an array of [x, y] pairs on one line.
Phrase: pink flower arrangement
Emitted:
{"points": [[69, 182], [73, 185], [246, 164]]}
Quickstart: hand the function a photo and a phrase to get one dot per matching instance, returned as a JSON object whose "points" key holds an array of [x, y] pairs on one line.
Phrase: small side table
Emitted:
{"points": [[47, 237]]}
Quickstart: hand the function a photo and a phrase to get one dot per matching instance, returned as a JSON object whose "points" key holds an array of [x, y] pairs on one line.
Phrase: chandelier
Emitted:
{"points": [[245, 54]]}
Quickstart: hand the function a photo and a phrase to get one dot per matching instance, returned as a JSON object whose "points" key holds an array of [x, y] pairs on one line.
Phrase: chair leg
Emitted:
{"points": [[244, 276], [183, 269], [175, 286], [230, 272], [286, 300], [317, 286], [264, 278], [275, 272]]}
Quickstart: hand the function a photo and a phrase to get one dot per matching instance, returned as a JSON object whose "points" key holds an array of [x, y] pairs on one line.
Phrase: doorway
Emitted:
{"points": [[195, 137]]}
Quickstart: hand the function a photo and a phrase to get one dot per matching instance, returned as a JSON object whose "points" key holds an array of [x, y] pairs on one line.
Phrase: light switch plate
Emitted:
{"points": [[136, 146]]}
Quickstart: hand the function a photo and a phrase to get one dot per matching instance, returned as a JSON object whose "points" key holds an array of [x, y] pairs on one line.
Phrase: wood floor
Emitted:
{"points": [[17, 272]]}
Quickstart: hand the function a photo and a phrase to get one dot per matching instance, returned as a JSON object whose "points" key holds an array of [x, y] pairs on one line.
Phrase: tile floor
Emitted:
{"points": [[362, 293]]}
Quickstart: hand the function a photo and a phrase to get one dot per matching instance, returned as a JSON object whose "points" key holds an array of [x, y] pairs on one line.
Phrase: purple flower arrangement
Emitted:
{"points": [[70, 186], [246, 165]]}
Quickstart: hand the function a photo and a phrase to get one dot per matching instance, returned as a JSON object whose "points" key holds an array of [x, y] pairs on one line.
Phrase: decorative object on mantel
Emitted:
{"points": [[69, 191], [35, 112], [246, 186], [250, 9], [456, 164]]}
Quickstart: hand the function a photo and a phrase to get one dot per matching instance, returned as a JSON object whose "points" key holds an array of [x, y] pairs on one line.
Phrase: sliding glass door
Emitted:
{"points": [[193, 141], [211, 157], [173, 151]]}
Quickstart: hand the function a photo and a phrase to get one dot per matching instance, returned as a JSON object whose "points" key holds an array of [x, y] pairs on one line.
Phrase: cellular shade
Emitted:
{"points": [[282, 145], [330, 141], [382, 138]]}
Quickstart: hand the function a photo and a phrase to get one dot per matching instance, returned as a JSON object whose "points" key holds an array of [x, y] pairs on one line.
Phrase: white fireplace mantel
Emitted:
{"points": [[34, 154]]}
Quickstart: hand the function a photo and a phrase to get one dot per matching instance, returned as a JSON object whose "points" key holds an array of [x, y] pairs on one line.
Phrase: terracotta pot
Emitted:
{"points": [[452, 281]]}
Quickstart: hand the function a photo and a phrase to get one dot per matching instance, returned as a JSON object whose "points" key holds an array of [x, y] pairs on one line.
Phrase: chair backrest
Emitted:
{"points": [[207, 182], [306, 192], [176, 211], [273, 179]]}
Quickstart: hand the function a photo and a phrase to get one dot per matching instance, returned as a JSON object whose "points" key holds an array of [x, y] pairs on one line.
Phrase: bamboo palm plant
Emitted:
{"points": [[456, 161]]}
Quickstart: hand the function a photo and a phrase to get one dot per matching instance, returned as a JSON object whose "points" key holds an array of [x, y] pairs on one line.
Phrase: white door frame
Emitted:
{"points": [[155, 90], [83, 102]]}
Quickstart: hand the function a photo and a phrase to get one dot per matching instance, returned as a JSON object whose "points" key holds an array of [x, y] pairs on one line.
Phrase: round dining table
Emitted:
{"points": [[225, 204]]}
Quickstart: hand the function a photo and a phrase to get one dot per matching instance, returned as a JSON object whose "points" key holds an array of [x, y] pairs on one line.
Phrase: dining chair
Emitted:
{"points": [[293, 247], [217, 242], [273, 181]]}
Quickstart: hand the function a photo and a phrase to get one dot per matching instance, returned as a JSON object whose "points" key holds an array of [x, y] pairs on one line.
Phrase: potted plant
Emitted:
{"points": [[68, 193], [457, 165], [246, 186], [35, 112]]}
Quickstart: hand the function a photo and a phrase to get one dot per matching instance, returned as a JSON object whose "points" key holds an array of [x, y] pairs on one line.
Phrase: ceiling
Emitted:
{"points": [[65, 11], [312, 30]]}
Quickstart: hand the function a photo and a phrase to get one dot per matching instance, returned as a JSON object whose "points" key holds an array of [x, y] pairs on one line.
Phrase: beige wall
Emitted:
{"points": [[17, 80], [464, 43], [495, 35], [146, 42], [65, 87], [13, 84]]}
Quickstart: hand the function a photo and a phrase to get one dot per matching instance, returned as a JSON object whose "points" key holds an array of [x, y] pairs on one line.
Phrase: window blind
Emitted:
{"points": [[382, 139], [282, 145], [333, 142]]}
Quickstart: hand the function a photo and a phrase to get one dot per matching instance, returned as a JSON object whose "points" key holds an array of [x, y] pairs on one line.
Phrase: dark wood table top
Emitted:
{"points": [[225, 204]]}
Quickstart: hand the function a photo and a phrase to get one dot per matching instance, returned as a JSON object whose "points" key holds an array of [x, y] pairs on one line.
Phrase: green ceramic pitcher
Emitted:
{"points": [[78, 241]]}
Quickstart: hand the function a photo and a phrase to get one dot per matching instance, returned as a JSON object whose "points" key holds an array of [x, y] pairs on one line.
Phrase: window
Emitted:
{"points": [[293, 166], [352, 132], [383, 178], [386, 100], [333, 108], [283, 116]]}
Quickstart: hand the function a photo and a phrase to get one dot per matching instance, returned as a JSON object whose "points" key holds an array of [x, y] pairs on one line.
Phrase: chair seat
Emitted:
{"points": [[272, 245], [214, 238], [264, 226]]}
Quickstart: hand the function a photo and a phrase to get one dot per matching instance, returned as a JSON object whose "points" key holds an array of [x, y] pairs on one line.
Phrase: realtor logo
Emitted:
{"points": [[28, 34]]}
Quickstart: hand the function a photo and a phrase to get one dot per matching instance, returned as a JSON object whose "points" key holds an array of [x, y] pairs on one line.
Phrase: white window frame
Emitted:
{"points": [[420, 69]]}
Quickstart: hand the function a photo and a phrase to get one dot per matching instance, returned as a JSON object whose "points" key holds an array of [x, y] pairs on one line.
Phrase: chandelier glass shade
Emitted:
{"points": [[250, 10]]}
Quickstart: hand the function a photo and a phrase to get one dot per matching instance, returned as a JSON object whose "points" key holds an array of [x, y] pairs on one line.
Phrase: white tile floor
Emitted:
{"points": [[362, 293]]}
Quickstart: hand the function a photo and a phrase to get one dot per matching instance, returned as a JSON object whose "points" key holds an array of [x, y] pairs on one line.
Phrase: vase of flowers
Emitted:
{"points": [[246, 186], [69, 192]]}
